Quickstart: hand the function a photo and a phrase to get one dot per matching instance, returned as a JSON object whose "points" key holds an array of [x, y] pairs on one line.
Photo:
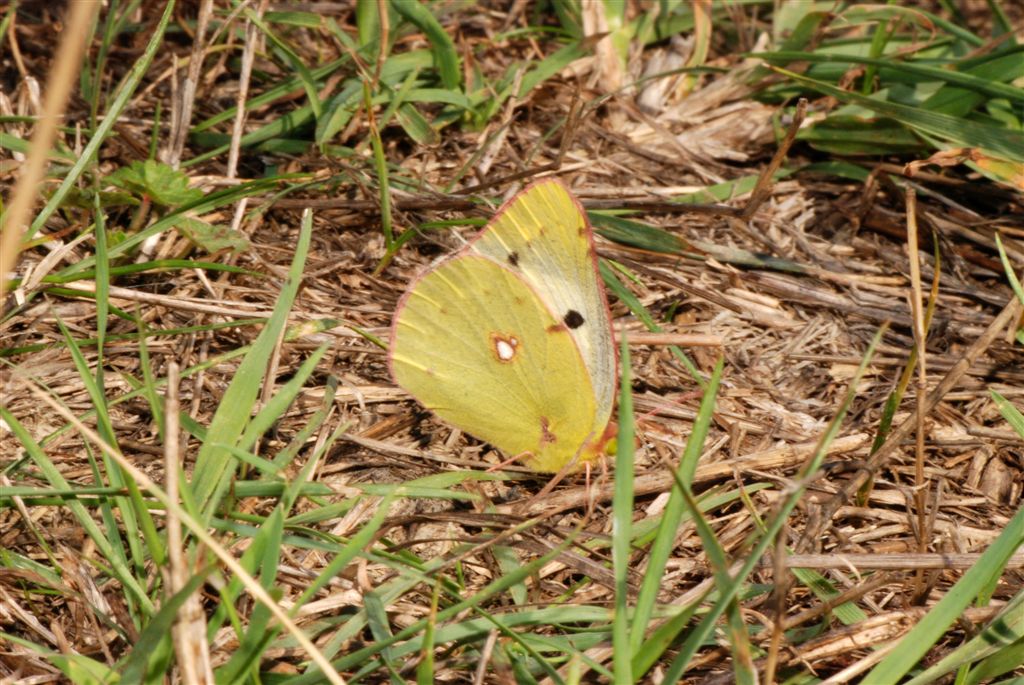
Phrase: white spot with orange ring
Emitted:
{"points": [[505, 346]]}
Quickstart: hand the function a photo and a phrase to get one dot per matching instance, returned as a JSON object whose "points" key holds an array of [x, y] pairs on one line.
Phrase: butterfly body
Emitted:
{"points": [[510, 338]]}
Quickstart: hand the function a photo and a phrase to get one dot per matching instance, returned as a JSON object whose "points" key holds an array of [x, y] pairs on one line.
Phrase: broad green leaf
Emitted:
{"points": [[211, 237], [157, 181]]}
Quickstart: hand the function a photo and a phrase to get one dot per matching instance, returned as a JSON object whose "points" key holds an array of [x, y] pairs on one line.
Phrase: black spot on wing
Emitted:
{"points": [[573, 319], [513, 258]]}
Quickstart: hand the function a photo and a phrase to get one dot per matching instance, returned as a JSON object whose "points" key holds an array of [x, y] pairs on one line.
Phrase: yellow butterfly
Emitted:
{"points": [[510, 338]]}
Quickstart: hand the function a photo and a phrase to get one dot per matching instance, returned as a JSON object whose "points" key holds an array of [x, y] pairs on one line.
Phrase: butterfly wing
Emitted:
{"points": [[474, 343], [542, 234]]}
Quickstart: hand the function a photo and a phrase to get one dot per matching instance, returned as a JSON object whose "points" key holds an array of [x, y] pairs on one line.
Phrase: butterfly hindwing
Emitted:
{"points": [[510, 339], [474, 344]]}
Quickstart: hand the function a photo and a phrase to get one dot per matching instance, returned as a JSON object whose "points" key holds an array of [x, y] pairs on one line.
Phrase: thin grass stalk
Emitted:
{"points": [[381, 167], [58, 90], [916, 300], [244, 78], [181, 110], [190, 646]]}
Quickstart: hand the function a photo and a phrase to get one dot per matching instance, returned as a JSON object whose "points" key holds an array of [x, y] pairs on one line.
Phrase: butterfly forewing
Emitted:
{"points": [[543, 234]]}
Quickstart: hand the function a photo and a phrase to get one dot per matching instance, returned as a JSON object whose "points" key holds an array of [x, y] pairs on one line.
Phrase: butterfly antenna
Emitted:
{"points": [[508, 462], [555, 480], [569, 467], [591, 493]]}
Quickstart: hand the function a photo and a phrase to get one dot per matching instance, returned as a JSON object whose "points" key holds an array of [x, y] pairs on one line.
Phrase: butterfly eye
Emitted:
{"points": [[573, 319]]}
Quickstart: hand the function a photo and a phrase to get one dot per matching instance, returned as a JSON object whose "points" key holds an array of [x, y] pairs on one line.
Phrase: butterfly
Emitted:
{"points": [[510, 338]]}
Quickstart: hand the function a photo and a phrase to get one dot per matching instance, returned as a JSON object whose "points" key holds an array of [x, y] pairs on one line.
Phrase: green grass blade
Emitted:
{"points": [[446, 55], [155, 638], [258, 631], [293, 332], [102, 287], [78, 668], [377, 619], [149, 382], [742, 662], [1011, 274], [672, 516], [118, 567], [207, 204], [951, 99], [132, 508], [1003, 636], [346, 553], [214, 468], [848, 612], [496, 587], [111, 117], [278, 404], [913, 15], [1007, 659], [1007, 68], [302, 72], [922, 637], [381, 167], [959, 132], [1012, 415], [637, 234], [622, 524], [626, 296], [425, 669], [271, 95], [548, 67], [416, 125]]}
